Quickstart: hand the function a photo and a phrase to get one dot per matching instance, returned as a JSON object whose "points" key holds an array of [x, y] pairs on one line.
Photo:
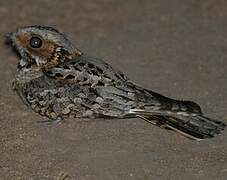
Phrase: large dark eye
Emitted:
{"points": [[35, 42]]}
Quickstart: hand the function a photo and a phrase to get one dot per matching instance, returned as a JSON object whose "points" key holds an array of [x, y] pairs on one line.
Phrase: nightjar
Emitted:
{"points": [[57, 80]]}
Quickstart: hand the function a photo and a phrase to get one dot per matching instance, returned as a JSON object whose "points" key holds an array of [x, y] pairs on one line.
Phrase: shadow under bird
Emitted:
{"points": [[57, 80]]}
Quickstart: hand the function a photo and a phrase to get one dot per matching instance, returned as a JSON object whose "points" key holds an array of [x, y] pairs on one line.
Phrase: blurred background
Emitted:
{"points": [[177, 48]]}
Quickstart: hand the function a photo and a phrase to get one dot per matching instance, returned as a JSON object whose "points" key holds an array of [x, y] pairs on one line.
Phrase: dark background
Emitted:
{"points": [[177, 47]]}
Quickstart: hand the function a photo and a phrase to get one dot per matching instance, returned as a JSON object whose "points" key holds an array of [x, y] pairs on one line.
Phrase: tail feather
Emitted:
{"points": [[195, 127]]}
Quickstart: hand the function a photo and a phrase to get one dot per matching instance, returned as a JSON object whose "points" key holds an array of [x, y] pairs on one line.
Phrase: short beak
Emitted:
{"points": [[9, 37]]}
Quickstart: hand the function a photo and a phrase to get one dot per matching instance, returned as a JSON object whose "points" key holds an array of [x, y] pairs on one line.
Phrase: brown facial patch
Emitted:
{"points": [[45, 51]]}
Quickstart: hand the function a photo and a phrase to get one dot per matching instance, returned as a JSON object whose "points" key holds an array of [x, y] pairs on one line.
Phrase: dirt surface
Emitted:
{"points": [[177, 48]]}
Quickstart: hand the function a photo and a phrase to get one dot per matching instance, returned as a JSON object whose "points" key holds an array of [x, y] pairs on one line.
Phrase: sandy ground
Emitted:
{"points": [[177, 48]]}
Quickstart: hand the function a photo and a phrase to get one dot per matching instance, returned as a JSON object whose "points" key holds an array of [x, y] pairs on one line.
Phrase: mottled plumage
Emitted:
{"points": [[57, 80]]}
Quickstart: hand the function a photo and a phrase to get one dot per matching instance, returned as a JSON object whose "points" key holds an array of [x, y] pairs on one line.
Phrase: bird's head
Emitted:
{"points": [[42, 46]]}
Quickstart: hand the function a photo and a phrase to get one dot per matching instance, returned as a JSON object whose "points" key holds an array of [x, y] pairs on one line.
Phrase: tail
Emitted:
{"points": [[194, 126], [185, 117]]}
